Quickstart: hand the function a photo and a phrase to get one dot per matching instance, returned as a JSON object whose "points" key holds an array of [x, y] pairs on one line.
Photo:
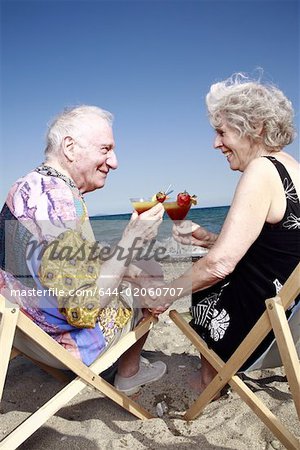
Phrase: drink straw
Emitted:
{"points": [[167, 190]]}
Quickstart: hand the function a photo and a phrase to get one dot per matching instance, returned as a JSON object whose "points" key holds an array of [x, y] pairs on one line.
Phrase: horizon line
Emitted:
{"points": [[123, 213]]}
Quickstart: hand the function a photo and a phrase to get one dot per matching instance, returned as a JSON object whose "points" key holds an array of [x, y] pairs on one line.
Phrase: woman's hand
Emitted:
{"points": [[153, 299], [190, 233]]}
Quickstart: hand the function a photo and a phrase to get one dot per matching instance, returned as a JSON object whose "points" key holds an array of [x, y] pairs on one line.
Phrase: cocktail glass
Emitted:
{"points": [[141, 204], [176, 213]]}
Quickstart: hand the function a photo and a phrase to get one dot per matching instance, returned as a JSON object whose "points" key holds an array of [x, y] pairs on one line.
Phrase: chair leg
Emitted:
{"points": [[7, 332], [14, 353], [218, 382], [257, 406], [241, 354], [286, 348], [83, 371], [88, 376]]}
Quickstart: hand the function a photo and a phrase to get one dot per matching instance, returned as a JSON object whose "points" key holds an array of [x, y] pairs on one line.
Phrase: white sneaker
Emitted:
{"points": [[147, 373]]}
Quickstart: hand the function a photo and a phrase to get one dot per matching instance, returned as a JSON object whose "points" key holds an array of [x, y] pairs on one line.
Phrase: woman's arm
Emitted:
{"points": [[243, 224]]}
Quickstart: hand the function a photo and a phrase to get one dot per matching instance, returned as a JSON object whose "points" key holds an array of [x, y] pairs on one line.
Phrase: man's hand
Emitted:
{"points": [[157, 311], [144, 226], [144, 273]]}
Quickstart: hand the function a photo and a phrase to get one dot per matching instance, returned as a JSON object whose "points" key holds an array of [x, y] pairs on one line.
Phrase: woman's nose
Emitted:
{"points": [[217, 141]]}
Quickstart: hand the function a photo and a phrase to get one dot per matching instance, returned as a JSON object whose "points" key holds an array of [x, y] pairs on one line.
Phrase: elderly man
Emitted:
{"points": [[48, 203]]}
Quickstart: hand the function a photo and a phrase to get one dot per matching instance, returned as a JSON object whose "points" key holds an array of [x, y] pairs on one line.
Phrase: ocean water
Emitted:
{"points": [[109, 229]]}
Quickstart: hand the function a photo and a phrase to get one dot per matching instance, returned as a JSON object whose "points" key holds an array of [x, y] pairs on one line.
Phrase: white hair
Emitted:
{"points": [[247, 105], [69, 122]]}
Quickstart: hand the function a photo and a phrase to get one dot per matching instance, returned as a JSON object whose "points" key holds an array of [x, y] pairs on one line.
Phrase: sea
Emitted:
{"points": [[108, 229]]}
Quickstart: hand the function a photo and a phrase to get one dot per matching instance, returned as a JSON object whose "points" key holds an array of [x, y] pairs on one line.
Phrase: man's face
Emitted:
{"points": [[94, 155]]}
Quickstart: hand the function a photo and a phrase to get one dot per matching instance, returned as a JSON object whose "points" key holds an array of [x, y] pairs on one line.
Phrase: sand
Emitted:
{"points": [[92, 421]]}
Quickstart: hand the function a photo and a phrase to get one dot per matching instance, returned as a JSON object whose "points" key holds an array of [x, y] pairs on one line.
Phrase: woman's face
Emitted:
{"points": [[238, 150]]}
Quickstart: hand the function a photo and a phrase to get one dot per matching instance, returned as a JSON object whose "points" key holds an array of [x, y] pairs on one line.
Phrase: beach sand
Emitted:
{"points": [[91, 421]]}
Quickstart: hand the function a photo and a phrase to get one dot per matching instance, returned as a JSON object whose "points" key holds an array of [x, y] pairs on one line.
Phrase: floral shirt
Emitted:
{"points": [[43, 204]]}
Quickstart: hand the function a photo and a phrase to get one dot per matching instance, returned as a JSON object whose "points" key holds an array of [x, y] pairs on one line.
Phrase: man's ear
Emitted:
{"points": [[68, 146]]}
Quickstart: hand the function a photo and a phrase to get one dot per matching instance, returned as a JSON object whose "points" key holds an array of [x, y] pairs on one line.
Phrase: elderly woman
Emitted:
{"points": [[259, 244]]}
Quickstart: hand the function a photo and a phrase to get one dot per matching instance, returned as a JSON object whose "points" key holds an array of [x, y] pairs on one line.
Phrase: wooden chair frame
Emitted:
{"points": [[273, 318], [14, 319]]}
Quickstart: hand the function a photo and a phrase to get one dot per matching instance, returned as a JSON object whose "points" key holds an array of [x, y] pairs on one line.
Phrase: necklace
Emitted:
{"points": [[44, 169]]}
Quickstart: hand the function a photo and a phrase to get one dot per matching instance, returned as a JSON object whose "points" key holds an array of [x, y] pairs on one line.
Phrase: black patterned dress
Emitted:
{"points": [[225, 313]]}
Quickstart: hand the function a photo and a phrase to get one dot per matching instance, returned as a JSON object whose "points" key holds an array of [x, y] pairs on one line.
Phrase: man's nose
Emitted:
{"points": [[112, 161]]}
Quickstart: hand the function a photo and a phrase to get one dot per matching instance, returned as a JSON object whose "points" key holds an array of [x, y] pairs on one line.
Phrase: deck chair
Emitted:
{"points": [[14, 321], [273, 318]]}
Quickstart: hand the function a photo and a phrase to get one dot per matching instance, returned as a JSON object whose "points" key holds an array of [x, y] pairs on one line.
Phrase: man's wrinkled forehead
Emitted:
{"points": [[96, 128], [93, 122]]}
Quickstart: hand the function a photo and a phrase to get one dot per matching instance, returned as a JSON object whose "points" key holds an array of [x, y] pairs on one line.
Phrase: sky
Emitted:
{"points": [[151, 64]]}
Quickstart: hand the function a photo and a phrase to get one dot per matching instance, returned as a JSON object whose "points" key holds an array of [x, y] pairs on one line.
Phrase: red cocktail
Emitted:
{"points": [[176, 212], [178, 209]]}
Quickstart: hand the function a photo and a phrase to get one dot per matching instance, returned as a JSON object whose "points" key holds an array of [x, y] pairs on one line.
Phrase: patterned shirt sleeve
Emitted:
{"points": [[44, 205]]}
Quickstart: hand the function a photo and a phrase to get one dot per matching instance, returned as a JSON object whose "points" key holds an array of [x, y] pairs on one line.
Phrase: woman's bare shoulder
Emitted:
{"points": [[258, 167], [287, 159], [264, 165], [293, 168]]}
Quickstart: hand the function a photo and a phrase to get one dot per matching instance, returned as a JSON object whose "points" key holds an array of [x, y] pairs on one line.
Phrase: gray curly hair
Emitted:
{"points": [[69, 122], [247, 105]]}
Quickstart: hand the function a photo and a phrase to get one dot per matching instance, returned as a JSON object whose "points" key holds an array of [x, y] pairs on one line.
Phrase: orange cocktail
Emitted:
{"points": [[141, 205]]}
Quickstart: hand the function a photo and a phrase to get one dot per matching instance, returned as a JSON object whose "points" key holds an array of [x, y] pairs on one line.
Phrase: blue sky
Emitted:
{"points": [[151, 64]]}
